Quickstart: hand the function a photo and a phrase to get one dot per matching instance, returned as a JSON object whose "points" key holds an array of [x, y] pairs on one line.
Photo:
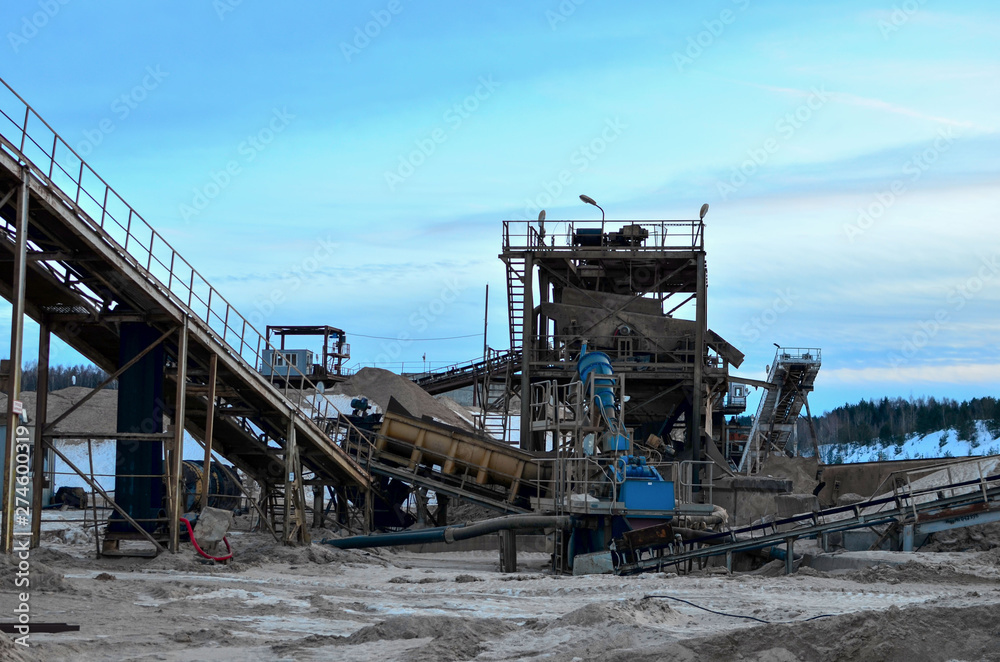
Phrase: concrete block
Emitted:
{"points": [[212, 526], [598, 563]]}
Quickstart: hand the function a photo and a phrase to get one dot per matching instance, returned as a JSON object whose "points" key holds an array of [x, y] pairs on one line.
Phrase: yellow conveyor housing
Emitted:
{"points": [[412, 442]]}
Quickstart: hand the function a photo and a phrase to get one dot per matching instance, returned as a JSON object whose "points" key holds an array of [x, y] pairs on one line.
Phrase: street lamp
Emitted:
{"points": [[590, 201]]}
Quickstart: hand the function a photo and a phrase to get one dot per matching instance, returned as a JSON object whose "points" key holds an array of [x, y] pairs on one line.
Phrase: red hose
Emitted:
{"points": [[201, 551]]}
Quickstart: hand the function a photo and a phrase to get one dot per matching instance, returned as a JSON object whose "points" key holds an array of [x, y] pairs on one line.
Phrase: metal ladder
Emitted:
{"points": [[515, 300]]}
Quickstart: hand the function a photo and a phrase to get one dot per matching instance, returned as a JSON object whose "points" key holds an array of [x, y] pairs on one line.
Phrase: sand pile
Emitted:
{"points": [[916, 573], [643, 611], [41, 578], [896, 635], [97, 416], [11, 652], [959, 472], [981, 537], [380, 385], [449, 638], [266, 550], [800, 470]]}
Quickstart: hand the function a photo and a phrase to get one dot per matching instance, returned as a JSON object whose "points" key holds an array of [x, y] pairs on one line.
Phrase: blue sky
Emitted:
{"points": [[849, 152]]}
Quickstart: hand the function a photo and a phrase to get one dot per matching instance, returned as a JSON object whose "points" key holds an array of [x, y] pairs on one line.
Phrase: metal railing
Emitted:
{"points": [[617, 234], [798, 355], [58, 167]]}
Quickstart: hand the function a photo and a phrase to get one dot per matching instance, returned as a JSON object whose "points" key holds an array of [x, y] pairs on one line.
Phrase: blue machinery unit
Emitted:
{"points": [[640, 485]]}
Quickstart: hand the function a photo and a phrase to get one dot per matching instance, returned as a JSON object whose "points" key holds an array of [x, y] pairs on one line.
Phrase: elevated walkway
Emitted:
{"points": [[460, 375], [91, 262]]}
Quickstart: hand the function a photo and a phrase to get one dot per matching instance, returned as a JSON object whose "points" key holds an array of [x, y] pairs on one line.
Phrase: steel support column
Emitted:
{"points": [[16, 346], [206, 474], [697, 392], [176, 454], [41, 412]]}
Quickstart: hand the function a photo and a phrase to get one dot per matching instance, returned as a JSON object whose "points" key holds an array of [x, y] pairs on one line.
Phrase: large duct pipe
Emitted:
{"points": [[450, 534], [603, 396]]}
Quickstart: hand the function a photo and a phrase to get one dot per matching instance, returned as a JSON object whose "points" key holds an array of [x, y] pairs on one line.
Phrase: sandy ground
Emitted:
{"points": [[319, 603]]}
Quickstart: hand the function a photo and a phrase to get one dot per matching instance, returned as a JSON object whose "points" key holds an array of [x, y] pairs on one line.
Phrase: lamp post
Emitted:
{"points": [[590, 201]]}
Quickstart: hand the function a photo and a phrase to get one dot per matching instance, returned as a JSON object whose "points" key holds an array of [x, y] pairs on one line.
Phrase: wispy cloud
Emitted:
{"points": [[849, 99], [961, 373]]}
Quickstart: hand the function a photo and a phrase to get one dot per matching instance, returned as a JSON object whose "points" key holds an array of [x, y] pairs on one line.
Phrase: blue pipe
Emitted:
{"points": [[450, 534], [417, 537], [599, 364]]}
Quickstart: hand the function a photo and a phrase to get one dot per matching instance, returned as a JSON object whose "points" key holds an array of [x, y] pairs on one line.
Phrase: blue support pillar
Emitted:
{"points": [[139, 464]]}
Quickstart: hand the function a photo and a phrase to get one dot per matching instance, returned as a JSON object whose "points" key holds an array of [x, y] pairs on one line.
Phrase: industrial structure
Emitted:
{"points": [[621, 386], [89, 269], [620, 390]]}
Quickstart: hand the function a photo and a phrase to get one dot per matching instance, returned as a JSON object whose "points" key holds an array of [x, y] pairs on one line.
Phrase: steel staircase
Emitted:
{"points": [[792, 374]]}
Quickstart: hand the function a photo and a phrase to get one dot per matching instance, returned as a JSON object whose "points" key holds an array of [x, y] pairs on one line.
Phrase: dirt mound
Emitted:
{"points": [[213, 635], [450, 638], [913, 573], [11, 652], [380, 385], [41, 578], [465, 511], [644, 611], [896, 635], [982, 537], [269, 551], [170, 592], [97, 415], [800, 470]]}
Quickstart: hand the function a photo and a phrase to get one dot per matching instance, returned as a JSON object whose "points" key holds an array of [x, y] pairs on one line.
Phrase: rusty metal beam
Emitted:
{"points": [[14, 381]]}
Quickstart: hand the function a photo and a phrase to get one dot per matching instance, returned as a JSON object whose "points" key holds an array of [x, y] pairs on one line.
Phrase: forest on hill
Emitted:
{"points": [[64, 376], [892, 420]]}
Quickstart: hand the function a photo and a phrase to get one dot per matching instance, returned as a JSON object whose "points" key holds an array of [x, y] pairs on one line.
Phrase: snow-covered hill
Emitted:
{"points": [[942, 443]]}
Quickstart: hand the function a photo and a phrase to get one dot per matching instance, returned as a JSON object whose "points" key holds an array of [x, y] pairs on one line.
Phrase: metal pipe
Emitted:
{"points": [[449, 534], [508, 523]]}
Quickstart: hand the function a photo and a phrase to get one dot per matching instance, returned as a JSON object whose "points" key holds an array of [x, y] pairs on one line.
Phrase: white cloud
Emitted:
{"points": [[962, 373]]}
